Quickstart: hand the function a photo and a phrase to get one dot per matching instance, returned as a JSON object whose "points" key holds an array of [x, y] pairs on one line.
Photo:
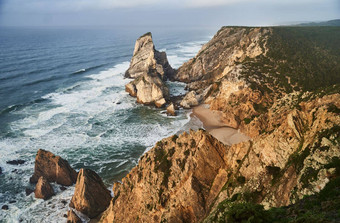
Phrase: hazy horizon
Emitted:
{"points": [[129, 13]]}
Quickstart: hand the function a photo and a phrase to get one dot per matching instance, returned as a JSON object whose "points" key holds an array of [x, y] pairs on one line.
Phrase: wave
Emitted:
{"points": [[12, 108], [52, 78]]}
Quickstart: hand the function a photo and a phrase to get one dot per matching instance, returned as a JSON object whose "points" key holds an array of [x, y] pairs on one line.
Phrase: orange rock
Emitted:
{"points": [[43, 189], [91, 197], [53, 168]]}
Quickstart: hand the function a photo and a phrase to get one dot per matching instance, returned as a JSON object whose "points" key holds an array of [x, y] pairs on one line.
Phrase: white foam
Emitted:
{"points": [[66, 125]]}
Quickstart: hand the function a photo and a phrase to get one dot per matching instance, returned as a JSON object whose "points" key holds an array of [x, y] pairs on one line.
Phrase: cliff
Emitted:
{"points": [[278, 85]]}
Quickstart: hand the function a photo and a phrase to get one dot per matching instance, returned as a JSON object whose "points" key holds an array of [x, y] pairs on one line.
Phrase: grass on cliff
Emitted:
{"points": [[299, 58], [322, 207]]}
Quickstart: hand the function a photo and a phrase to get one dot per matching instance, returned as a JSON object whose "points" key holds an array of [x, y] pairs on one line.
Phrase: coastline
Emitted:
{"points": [[213, 124]]}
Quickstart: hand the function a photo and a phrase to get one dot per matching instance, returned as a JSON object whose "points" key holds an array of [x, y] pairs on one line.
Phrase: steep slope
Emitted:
{"points": [[286, 101], [176, 181]]}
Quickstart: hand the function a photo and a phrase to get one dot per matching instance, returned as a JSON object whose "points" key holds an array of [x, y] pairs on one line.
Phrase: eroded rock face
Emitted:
{"points": [[91, 197], [72, 217], [43, 189], [172, 181], [53, 168], [171, 110], [148, 90], [146, 59], [219, 55], [190, 100], [149, 68]]}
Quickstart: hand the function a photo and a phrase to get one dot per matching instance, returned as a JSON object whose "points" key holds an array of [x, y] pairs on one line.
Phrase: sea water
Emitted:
{"points": [[62, 90]]}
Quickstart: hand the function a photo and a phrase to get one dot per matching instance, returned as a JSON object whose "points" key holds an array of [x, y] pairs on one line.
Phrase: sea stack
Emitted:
{"points": [[150, 68], [91, 197], [53, 168]]}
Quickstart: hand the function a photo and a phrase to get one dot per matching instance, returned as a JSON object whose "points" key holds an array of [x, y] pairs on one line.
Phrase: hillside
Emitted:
{"points": [[334, 22], [279, 86]]}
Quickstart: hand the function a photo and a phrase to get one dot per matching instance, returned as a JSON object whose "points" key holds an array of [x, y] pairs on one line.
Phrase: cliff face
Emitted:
{"points": [[257, 80], [146, 59], [176, 181], [149, 68]]}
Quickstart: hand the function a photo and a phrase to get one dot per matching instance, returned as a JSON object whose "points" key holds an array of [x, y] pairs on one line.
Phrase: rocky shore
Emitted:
{"points": [[288, 150]]}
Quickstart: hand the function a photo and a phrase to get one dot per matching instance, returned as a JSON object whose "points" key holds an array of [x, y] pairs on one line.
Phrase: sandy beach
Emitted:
{"points": [[213, 124]]}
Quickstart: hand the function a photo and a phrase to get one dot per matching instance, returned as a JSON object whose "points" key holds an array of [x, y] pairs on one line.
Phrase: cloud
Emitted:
{"points": [[80, 5]]}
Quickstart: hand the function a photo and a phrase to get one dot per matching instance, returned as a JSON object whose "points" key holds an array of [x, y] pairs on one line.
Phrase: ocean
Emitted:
{"points": [[62, 90]]}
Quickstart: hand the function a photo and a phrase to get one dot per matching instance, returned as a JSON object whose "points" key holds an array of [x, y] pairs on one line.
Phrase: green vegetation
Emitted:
{"points": [[174, 138], [298, 58], [321, 207]]}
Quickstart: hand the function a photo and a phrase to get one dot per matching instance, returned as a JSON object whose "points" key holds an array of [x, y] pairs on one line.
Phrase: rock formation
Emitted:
{"points": [[43, 189], [149, 68], [251, 78], [72, 217], [146, 59], [176, 180], [90, 195], [171, 109], [148, 90], [53, 168]]}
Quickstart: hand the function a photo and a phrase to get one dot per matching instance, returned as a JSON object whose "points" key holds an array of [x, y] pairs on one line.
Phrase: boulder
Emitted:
{"points": [[131, 89], [91, 197], [190, 100], [4, 207], [146, 59], [53, 168], [171, 110], [43, 189], [148, 90], [72, 217]]}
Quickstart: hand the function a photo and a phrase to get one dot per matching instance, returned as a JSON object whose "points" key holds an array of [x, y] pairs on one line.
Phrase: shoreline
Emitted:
{"points": [[213, 124]]}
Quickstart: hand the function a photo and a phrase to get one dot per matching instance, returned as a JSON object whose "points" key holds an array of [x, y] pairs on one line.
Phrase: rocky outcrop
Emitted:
{"points": [[43, 189], [148, 90], [171, 110], [216, 58], [149, 68], [146, 59], [91, 197], [72, 217], [176, 181], [53, 168], [190, 100]]}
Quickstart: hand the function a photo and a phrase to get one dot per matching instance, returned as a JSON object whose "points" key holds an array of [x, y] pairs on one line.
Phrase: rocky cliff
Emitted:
{"points": [[256, 78], [149, 68]]}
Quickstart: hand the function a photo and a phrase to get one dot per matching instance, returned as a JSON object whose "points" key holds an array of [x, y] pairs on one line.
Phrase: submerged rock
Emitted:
{"points": [[0, 171], [53, 168], [72, 217], [16, 162], [28, 191], [149, 68], [4, 207], [43, 189], [91, 197]]}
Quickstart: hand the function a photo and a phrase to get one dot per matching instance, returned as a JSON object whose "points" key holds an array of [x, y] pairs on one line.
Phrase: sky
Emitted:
{"points": [[212, 13]]}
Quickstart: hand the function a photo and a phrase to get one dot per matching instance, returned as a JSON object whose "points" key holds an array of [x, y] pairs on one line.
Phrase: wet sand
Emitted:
{"points": [[213, 124]]}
